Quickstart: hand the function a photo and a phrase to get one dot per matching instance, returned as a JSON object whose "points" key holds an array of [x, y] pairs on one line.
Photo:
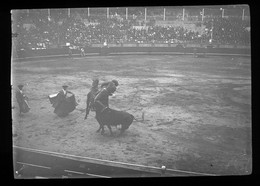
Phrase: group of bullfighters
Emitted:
{"points": [[64, 102]]}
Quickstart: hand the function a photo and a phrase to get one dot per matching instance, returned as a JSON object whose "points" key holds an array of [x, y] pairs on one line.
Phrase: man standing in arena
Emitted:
{"points": [[91, 95], [102, 98], [64, 104], [22, 100], [61, 97]]}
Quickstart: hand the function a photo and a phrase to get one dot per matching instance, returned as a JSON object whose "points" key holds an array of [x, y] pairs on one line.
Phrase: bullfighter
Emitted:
{"points": [[22, 100], [91, 95], [102, 98], [63, 103]]}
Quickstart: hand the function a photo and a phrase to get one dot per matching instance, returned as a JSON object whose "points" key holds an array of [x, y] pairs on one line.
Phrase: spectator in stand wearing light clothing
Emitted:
{"points": [[82, 52], [105, 43]]}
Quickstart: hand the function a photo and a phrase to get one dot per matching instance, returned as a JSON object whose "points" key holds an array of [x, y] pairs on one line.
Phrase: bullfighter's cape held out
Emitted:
{"points": [[63, 103]]}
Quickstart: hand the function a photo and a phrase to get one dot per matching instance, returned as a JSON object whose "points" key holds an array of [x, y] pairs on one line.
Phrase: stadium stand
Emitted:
{"points": [[54, 28]]}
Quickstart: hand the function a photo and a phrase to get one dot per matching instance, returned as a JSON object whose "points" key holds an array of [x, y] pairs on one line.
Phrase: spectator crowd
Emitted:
{"points": [[81, 30]]}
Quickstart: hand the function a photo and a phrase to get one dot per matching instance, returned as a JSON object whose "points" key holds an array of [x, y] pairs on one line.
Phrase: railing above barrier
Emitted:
{"points": [[171, 45], [138, 49]]}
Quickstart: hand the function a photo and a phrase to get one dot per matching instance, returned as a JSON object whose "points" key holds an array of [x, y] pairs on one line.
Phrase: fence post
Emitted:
{"points": [[126, 13], [183, 13], [164, 14], [145, 14], [202, 16]]}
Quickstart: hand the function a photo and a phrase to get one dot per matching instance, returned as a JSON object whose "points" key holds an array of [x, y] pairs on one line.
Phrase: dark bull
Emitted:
{"points": [[111, 117]]}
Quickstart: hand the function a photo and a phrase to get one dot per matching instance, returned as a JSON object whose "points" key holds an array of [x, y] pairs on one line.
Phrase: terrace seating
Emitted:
{"points": [[80, 31]]}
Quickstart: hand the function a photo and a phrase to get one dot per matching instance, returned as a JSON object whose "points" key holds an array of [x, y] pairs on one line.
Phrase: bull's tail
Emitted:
{"points": [[141, 120]]}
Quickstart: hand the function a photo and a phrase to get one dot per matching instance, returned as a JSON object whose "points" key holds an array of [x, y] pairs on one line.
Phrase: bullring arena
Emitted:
{"points": [[197, 111], [184, 73]]}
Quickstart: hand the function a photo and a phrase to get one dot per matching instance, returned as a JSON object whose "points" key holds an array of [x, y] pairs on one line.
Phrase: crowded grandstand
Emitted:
{"points": [[54, 28]]}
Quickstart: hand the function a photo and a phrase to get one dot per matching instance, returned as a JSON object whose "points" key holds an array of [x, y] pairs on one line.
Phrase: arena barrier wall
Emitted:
{"points": [[58, 164], [117, 49]]}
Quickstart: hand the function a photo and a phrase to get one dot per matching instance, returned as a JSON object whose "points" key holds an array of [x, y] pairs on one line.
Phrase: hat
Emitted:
{"points": [[115, 82], [65, 86], [111, 88], [95, 82]]}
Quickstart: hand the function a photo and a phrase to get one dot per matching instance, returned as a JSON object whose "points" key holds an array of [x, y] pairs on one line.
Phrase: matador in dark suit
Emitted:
{"points": [[90, 97], [64, 103], [22, 100]]}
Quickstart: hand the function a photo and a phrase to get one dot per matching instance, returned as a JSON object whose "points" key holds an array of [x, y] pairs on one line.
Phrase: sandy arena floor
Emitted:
{"points": [[197, 111]]}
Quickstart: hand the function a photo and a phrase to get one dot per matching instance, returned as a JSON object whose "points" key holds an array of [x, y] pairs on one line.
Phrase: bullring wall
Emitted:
{"points": [[97, 49]]}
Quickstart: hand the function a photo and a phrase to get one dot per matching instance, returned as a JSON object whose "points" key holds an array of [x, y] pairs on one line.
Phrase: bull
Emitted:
{"points": [[107, 116], [111, 117]]}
